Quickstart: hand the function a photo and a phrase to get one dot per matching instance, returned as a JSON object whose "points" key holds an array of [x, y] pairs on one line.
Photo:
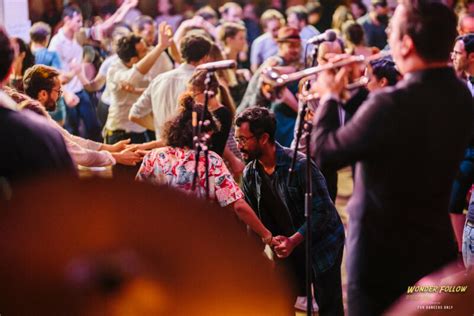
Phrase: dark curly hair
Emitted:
{"points": [[126, 47], [178, 132], [194, 47], [432, 27], [384, 68], [260, 121]]}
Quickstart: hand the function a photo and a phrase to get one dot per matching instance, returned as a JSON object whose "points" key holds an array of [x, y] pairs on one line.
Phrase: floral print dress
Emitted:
{"points": [[175, 167]]}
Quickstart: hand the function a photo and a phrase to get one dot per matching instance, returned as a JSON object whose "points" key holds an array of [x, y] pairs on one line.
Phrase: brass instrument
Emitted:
{"points": [[275, 79]]}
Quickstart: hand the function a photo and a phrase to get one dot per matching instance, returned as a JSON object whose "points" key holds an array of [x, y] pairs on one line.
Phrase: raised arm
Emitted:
{"points": [[165, 35]]}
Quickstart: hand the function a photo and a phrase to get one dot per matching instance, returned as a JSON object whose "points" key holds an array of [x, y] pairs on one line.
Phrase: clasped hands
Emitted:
{"points": [[282, 246], [125, 153]]}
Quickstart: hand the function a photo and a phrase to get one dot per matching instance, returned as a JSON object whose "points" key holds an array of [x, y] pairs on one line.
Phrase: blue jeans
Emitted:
{"points": [[468, 246], [84, 111], [462, 183]]}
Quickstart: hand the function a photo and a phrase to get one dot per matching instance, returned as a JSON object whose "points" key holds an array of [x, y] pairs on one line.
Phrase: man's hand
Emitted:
{"points": [[128, 156], [284, 247], [71, 99], [287, 244], [117, 147], [329, 82], [165, 35]]}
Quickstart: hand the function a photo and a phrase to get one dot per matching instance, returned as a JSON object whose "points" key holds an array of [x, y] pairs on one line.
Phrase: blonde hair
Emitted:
{"points": [[271, 14]]}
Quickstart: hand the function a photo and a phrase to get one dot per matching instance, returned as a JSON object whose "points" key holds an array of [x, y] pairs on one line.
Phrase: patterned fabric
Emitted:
{"points": [[175, 167]]}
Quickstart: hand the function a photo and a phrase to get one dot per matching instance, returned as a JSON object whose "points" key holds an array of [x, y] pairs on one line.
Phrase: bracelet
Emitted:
{"points": [[267, 240]]}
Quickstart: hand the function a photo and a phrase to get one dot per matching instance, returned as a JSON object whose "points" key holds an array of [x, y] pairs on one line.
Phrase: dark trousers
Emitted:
{"points": [[84, 111], [328, 289], [113, 137], [102, 112], [327, 285]]}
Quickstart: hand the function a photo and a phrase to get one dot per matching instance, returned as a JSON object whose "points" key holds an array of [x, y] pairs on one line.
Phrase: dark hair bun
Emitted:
{"points": [[186, 102]]}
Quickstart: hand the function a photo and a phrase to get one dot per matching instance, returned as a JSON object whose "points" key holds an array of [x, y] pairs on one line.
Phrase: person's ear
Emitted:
{"points": [[42, 96], [383, 82], [470, 57], [407, 46], [264, 139], [133, 60]]}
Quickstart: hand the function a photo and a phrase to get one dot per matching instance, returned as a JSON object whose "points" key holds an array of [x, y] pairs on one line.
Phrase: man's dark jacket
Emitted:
{"points": [[407, 141], [327, 229]]}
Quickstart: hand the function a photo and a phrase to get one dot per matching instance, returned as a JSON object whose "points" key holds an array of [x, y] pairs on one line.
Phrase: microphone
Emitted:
{"points": [[218, 65], [328, 36]]}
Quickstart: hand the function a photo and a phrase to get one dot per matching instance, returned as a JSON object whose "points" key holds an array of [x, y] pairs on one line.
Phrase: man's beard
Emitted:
{"points": [[252, 155], [50, 105]]}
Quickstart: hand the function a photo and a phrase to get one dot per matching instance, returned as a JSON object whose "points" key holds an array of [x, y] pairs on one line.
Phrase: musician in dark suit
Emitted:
{"points": [[407, 141]]}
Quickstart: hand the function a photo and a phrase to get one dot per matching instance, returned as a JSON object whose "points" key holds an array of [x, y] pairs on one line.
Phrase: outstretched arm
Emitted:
{"points": [[248, 216]]}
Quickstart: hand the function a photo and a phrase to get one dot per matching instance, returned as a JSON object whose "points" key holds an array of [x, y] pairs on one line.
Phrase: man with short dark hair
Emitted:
{"points": [[127, 79], [375, 22], [381, 73], [407, 142], [280, 207], [297, 17], [159, 102], [29, 145]]}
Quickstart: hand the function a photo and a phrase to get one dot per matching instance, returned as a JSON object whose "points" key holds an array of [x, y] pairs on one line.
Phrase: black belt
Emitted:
{"points": [[470, 223]]}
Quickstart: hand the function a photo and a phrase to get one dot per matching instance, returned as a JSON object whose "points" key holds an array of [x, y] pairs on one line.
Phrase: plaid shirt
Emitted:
{"points": [[327, 229]]}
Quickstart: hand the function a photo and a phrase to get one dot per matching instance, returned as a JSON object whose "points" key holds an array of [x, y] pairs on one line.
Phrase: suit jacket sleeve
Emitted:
{"points": [[364, 134]]}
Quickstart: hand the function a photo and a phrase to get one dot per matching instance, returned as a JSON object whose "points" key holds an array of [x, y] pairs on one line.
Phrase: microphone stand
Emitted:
{"points": [[305, 127], [201, 141], [308, 199]]}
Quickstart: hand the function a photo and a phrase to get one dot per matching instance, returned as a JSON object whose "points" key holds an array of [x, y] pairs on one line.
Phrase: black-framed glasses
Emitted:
{"points": [[58, 91], [242, 140]]}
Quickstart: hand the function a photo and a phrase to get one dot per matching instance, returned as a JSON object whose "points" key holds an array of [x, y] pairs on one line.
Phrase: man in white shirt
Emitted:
{"points": [[159, 102], [127, 79], [79, 106]]}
